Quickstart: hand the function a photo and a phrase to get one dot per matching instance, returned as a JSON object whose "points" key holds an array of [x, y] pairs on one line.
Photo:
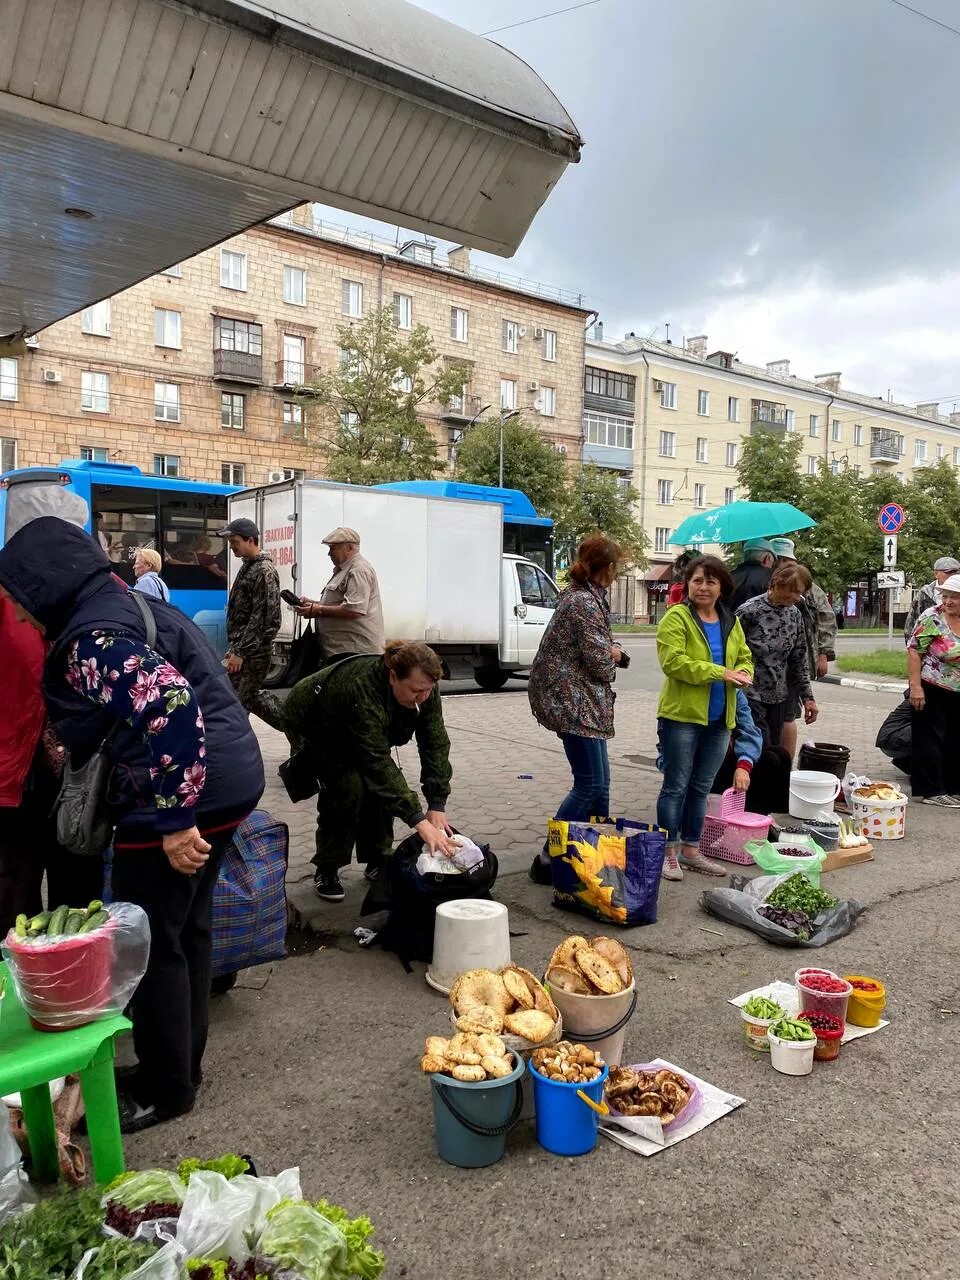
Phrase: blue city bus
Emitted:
{"points": [[524, 532], [126, 509]]}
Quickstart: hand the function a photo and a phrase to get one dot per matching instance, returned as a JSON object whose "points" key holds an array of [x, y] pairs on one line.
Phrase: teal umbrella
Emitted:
{"points": [[740, 521]]}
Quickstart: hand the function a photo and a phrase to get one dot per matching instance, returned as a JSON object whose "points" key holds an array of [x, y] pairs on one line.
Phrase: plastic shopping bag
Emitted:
{"points": [[220, 1217], [608, 872], [16, 1193], [768, 856], [741, 902]]}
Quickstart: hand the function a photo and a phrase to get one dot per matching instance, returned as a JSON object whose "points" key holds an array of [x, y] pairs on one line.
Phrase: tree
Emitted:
{"points": [[768, 467], [844, 545], [596, 500], [932, 504], [530, 464], [365, 413]]}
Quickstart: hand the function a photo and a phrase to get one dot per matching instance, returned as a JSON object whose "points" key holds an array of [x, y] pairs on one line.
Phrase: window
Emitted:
{"points": [[294, 360], [350, 362], [176, 271], [508, 393], [703, 403], [606, 429], [814, 424], [732, 451], [548, 401], [549, 348], [668, 444], [510, 336], [661, 538], [238, 335], [729, 495], [8, 453], [295, 286], [233, 270], [857, 434], [699, 495], [939, 452], [665, 493], [535, 587], [956, 457], [857, 469], [166, 464], [791, 420], [919, 450], [94, 453], [459, 324], [9, 377], [835, 467], [231, 410], [166, 327], [403, 310], [403, 382], [350, 422], [232, 473], [96, 319], [615, 386], [811, 465], [292, 413], [351, 298], [293, 473], [703, 449], [835, 433], [95, 391], [668, 395], [733, 409], [166, 402]]}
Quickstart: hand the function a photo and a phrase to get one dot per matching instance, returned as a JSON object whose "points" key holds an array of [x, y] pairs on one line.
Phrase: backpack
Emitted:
{"points": [[412, 899], [250, 899]]}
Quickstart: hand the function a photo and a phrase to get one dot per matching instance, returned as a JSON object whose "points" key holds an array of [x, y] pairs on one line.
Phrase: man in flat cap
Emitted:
{"points": [[253, 616], [349, 616]]}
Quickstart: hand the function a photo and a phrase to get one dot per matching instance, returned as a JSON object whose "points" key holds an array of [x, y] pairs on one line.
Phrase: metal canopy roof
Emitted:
{"points": [[178, 125]]}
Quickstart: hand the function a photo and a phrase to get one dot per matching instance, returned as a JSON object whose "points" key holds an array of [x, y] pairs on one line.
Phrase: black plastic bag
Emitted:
{"points": [[895, 735], [740, 905]]}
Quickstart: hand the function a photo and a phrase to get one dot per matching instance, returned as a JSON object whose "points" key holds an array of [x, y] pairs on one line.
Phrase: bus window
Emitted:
{"points": [[127, 521], [194, 558]]}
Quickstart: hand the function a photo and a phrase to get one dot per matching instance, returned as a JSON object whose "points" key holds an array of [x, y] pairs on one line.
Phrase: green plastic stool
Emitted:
{"points": [[30, 1059]]}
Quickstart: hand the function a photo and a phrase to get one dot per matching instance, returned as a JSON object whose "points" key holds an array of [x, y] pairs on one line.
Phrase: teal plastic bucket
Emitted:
{"points": [[565, 1124], [471, 1121]]}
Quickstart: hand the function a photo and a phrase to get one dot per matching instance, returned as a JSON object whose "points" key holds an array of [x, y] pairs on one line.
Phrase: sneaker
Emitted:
{"points": [[698, 861], [671, 867], [540, 872], [328, 887], [944, 802]]}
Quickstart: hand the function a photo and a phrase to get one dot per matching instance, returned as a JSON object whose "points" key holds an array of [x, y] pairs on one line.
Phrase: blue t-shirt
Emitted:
{"points": [[718, 695]]}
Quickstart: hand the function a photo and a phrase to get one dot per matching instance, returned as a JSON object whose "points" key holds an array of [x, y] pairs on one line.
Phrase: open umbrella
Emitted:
{"points": [[740, 521]]}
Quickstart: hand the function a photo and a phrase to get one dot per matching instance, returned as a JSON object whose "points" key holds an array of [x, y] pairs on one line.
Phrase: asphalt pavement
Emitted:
{"points": [[848, 1172]]}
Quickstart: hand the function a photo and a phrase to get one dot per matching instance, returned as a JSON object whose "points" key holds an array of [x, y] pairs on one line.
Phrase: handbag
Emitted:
{"points": [[299, 775], [305, 659], [84, 825]]}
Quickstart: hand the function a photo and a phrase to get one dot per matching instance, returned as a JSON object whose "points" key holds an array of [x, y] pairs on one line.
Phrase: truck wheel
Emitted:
{"points": [[490, 678]]}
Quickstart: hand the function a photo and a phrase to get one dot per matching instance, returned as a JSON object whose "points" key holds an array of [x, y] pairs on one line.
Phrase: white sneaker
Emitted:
{"points": [[944, 802], [671, 867], [697, 861]]}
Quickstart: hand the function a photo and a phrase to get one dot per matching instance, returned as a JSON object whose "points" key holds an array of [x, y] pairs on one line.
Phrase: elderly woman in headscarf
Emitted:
{"points": [[933, 667]]}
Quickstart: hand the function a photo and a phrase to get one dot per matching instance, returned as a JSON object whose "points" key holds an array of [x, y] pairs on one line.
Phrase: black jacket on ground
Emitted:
{"points": [[749, 579]]}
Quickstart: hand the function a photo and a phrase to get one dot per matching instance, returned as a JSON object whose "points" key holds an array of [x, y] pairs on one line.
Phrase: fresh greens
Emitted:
{"points": [[48, 1242], [301, 1240], [116, 1259], [230, 1166], [791, 1029], [796, 893], [362, 1259], [761, 1007], [136, 1190]]}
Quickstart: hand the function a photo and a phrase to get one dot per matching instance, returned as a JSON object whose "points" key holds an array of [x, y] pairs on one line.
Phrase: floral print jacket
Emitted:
{"points": [[571, 678], [141, 688]]}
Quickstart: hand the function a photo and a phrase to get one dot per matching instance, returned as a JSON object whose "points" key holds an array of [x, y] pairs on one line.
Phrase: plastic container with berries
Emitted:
{"points": [[829, 1029], [823, 992], [868, 1000]]}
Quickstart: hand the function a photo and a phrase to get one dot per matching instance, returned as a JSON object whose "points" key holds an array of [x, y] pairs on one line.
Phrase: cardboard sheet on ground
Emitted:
{"points": [[650, 1136], [785, 994]]}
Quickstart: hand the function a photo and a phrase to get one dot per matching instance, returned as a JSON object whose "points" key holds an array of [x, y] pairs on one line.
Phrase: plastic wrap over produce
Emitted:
{"points": [[73, 965]]}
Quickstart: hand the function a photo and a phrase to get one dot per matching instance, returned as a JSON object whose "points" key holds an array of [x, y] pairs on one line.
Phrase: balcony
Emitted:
{"points": [[608, 456], [461, 409], [885, 448], [292, 374], [237, 366]]}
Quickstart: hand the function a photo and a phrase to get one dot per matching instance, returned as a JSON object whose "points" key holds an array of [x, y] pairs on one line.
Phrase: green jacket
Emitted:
{"points": [[685, 659], [348, 716]]}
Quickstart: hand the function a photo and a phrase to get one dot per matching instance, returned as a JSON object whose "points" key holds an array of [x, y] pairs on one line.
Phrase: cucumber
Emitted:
{"points": [[94, 922], [39, 922], [20, 927], [95, 906], [57, 921], [74, 920]]}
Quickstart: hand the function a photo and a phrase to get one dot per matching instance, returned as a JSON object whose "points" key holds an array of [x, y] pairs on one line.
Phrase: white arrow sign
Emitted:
{"points": [[890, 551]]}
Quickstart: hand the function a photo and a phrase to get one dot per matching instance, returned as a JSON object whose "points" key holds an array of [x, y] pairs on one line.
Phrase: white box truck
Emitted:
{"points": [[444, 578]]}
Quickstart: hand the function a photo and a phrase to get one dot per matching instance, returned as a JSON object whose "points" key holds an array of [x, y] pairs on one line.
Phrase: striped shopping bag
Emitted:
{"points": [[250, 900]]}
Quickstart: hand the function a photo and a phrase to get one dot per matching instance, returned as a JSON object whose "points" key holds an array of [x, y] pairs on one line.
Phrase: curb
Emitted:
{"points": [[873, 686]]}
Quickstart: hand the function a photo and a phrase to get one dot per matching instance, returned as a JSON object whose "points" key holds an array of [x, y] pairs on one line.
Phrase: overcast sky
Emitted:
{"points": [[784, 177]]}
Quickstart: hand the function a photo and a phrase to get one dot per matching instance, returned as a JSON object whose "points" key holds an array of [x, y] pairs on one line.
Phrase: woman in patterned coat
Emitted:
{"points": [[571, 684]]}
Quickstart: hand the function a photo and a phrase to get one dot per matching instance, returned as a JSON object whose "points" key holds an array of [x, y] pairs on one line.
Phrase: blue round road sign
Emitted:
{"points": [[890, 518]]}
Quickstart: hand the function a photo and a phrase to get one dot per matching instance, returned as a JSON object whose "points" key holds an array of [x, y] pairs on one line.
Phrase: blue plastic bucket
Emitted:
{"points": [[565, 1124], [471, 1121]]}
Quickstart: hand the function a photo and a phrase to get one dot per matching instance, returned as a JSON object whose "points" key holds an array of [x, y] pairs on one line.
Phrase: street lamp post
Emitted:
{"points": [[514, 413]]}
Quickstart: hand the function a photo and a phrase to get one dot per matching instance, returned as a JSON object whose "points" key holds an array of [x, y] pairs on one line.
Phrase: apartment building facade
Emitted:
{"points": [[671, 420], [196, 372]]}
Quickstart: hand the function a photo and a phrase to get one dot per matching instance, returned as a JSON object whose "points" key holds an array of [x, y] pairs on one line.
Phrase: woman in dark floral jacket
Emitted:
{"points": [[571, 684]]}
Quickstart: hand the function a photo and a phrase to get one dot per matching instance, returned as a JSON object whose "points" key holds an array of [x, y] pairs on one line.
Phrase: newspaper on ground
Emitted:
{"points": [[651, 1137]]}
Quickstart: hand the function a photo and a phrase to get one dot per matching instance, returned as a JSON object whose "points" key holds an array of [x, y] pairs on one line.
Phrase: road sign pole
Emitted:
{"points": [[890, 617]]}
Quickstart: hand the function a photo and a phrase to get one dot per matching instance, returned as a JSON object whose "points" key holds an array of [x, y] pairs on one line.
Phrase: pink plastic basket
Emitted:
{"points": [[725, 837]]}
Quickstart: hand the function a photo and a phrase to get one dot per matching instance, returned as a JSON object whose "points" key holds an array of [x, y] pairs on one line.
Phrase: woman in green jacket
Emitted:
{"points": [[704, 655]]}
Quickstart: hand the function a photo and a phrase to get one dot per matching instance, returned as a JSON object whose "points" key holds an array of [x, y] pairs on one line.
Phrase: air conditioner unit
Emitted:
{"points": [[560, 448], [274, 477], [538, 333], [657, 384], [522, 331], [533, 385], [32, 341], [51, 375]]}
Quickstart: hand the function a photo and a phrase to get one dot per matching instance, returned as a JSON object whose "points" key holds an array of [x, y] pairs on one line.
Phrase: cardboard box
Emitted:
{"points": [[837, 859]]}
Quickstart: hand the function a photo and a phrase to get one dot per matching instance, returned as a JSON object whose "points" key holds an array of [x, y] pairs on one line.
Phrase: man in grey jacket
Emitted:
{"points": [[929, 594], [820, 628]]}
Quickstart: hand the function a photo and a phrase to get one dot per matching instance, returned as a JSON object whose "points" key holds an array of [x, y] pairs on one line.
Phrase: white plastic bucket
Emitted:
{"points": [[811, 792], [470, 933], [600, 1022], [879, 819], [791, 1057], [755, 1031]]}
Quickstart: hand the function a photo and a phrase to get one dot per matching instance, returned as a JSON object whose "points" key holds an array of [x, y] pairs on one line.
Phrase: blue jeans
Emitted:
{"points": [[589, 797], [692, 754]]}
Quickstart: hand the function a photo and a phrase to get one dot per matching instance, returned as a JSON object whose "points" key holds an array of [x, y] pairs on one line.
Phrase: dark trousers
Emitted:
{"points": [[170, 1008], [348, 815], [769, 718], [769, 790], [935, 743], [248, 683]]}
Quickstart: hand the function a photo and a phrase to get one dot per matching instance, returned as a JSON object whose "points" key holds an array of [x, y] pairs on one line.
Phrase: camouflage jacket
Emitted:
{"points": [[347, 714], [253, 610], [819, 625]]}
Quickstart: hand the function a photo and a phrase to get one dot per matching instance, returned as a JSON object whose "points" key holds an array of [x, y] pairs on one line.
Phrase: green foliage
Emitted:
{"points": [[768, 470], [879, 662], [845, 544], [932, 503], [595, 500], [358, 413], [529, 463], [48, 1242]]}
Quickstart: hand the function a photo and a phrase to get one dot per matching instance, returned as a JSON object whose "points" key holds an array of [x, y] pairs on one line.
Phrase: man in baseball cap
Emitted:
{"points": [[752, 576], [929, 595], [253, 616], [820, 628], [242, 528]]}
